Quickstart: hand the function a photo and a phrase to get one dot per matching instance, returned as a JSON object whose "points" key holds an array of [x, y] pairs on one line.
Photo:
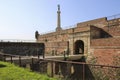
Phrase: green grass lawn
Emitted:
{"points": [[11, 72]]}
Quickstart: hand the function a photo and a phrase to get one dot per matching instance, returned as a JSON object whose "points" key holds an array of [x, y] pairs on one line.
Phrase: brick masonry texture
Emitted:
{"points": [[106, 56], [101, 38]]}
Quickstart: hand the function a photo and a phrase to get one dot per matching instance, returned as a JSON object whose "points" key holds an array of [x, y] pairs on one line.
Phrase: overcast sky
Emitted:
{"points": [[19, 19]]}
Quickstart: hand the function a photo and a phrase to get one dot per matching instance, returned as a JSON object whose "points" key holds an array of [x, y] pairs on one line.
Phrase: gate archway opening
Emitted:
{"points": [[79, 47]]}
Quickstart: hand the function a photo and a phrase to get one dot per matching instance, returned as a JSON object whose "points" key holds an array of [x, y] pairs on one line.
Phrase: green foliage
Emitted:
{"points": [[11, 72]]}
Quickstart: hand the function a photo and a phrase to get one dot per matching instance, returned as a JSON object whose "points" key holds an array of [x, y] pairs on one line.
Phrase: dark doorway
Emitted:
{"points": [[81, 72], [79, 47]]}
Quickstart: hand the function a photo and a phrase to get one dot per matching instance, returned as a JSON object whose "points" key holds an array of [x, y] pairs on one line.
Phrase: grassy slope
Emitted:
{"points": [[10, 72]]}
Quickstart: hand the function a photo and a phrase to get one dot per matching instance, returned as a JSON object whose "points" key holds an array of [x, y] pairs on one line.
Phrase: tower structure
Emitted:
{"points": [[58, 19]]}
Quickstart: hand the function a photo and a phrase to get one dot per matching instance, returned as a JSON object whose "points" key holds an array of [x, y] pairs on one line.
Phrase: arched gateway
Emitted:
{"points": [[79, 47]]}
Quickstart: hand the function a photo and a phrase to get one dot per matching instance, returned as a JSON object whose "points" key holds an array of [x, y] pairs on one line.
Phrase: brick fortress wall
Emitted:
{"points": [[107, 49], [101, 39]]}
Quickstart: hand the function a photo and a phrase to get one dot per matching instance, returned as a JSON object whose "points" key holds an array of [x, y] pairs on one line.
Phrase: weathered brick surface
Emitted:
{"points": [[22, 48], [82, 29], [102, 21], [100, 36], [56, 47], [106, 56], [112, 30], [106, 42]]}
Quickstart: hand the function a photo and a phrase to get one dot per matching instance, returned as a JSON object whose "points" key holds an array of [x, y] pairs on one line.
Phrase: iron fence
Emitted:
{"points": [[72, 70], [69, 70], [113, 17], [16, 40]]}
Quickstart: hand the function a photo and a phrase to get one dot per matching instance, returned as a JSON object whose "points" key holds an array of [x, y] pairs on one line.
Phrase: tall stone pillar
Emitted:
{"points": [[58, 19]]}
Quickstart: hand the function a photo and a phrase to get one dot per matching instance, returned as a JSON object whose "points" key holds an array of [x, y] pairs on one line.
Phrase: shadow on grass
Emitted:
{"points": [[2, 65]]}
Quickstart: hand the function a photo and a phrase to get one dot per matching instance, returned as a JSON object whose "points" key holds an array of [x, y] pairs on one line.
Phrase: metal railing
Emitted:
{"points": [[18, 59], [64, 28], [113, 17], [71, 70], [16, 40]]}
